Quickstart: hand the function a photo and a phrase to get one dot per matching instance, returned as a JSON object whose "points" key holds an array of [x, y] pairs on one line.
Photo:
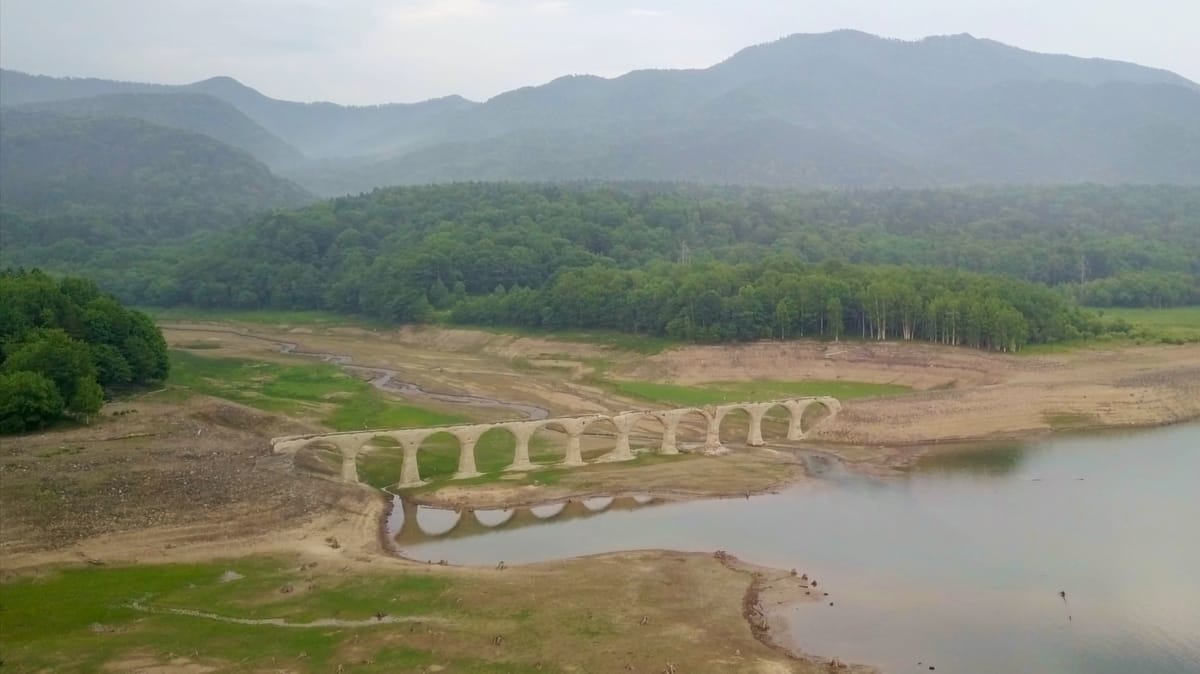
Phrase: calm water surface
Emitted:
{"points": [[958, 564]]}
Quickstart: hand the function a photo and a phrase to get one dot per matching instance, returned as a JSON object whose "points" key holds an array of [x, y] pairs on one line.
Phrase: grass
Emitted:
{"points": [[260, 316], [318, 390], [79, 619], [728, 392], [1173, 324]]}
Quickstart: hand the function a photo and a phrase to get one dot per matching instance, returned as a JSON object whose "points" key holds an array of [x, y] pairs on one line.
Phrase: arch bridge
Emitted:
{"points": [[351, 443]]}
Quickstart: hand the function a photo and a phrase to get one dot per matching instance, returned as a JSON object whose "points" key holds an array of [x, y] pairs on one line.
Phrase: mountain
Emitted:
{"points": [[841, 109], [201, 113], [315, 129], [124, 180]]}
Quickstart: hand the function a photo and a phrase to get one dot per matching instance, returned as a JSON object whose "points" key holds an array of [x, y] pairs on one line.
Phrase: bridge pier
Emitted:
{"points": [[712, 437], [349, 447], [754, 436], [624, 423], [670, 424], [410, 469], [574, 429], [466, 452], [523, 433]]}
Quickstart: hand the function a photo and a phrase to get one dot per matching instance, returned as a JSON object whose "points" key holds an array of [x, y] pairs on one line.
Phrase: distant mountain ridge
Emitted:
{"points": [[840, 109], [200, 113], [124, 181]]}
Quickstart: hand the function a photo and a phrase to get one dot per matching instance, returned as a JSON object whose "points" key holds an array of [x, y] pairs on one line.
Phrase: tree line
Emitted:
{"points": [[783, 298], [354, 253], [63, 344]]}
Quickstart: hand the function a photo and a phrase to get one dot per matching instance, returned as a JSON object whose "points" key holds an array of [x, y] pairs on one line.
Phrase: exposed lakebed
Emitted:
{"points": [[958, 565]]}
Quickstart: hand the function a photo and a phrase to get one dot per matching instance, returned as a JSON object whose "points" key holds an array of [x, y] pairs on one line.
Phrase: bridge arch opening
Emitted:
{"points": [[775, 424], [437, 521], [438, 455], [734, 427], [647, 434], [495, 449], [548, 510], [494, 518], [691, 430], [380, 461], [549, 444], [814, 414], [599, 438]]}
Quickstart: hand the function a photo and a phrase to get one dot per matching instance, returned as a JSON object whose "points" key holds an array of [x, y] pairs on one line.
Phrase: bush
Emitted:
{"points": [[28, 401]]}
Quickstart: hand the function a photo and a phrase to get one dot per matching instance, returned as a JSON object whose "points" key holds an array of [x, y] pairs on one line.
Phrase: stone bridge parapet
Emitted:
{"points": [[350, 444]]}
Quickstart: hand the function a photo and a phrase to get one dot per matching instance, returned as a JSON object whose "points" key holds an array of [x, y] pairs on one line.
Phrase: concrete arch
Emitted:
{"points": [[496, 448], [730, 422], [773, 415], [492, 519], [436, 454], [598, 504], [815, 412], [675, 420], [435, 522], [548, 511]]}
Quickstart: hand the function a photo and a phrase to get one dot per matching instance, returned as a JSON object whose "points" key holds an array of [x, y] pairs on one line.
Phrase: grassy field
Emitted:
{"points": [[81, 619], [727, 392], [1174, 324], [314, 390], [260, 316]]}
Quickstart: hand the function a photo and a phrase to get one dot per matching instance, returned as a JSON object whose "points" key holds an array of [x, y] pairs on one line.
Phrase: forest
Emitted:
{"points": [[995, 268], [64, 345]]}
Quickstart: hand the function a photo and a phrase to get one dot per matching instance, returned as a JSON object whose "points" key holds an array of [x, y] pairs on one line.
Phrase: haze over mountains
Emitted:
{"points": [[841, 109]]}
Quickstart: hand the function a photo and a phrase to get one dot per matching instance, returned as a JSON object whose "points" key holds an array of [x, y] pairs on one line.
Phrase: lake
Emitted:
{"points": [[957, 564]]}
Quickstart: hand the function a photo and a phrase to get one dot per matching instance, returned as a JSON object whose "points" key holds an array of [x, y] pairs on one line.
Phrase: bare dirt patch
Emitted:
{"points": [[200, 463]]}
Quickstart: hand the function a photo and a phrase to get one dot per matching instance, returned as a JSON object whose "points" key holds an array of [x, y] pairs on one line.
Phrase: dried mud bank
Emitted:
{"points": [[961, 395]]}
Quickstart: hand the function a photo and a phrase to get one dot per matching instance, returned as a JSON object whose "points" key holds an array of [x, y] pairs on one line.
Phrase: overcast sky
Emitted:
{"points": [[375, 51]]}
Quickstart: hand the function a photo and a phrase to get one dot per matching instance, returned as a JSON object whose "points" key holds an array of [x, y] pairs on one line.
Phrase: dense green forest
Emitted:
{"points": [[994, 268], [63, 343], [71, 184], [354, 253]]}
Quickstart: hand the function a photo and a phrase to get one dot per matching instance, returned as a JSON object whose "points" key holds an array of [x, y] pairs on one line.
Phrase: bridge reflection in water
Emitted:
{"points": [[410, 524]]}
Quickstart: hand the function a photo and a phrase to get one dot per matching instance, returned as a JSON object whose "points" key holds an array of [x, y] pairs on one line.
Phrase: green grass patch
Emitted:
{"points": [[1171, 325], [260, 316], [318, 390], [81, 618], [730, 392]]}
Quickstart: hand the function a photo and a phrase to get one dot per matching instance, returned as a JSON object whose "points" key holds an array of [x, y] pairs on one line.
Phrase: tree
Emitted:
{"points": [[836, 316], [87, 400], [783, 316], [52, 353], [28, 401]]}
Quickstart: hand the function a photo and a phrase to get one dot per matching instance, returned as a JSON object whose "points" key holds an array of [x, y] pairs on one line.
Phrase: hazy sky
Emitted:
{"points": [[374, 51]]}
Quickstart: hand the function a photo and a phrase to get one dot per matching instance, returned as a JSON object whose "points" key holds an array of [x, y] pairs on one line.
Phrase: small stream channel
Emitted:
{"points": [[957, 565]]}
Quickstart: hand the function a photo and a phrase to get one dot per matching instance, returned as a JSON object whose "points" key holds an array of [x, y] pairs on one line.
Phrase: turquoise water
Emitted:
{"points": [[958, 564]]}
